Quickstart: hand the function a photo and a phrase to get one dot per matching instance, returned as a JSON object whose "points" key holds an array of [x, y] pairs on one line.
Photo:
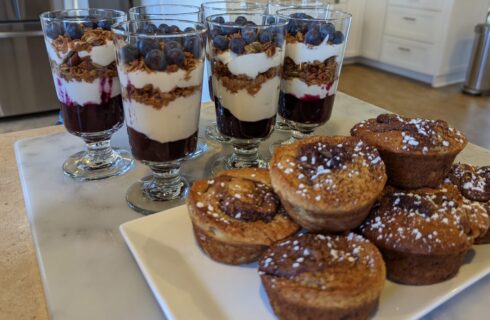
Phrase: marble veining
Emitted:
{"points": [[87, 270]]}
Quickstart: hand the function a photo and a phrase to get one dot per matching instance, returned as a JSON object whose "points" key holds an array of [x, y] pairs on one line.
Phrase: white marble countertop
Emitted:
{"points": [[86, 268]]}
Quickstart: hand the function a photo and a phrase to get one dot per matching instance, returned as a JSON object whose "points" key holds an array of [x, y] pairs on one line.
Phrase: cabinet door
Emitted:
{"points": [[372, 28]]}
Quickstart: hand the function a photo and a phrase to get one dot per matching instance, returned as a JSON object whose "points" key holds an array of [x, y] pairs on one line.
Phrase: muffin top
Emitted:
{"points": [[410, 135], [345, 265], [425, 221], [472, 181], [240, 204], [328, 172]]}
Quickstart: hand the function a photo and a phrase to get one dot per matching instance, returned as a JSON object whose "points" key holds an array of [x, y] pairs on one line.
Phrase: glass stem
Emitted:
{"points": [[166, 182], [244, 156], [99, 154]]}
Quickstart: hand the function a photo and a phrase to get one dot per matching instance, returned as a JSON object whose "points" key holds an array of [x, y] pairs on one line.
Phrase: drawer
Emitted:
{"points": [[435, 5], [414, 24], [411, 55]]}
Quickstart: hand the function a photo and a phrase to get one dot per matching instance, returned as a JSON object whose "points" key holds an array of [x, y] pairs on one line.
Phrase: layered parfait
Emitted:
{"points": [[82, 59], [314, 54], [246, 58], [160, 69]]}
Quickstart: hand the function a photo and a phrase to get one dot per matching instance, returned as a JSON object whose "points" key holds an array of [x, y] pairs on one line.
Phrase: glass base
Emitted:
{"points": [[212, 133], [142, 199], [82, 167], [281, 125], [201, 149], [230, 162]]}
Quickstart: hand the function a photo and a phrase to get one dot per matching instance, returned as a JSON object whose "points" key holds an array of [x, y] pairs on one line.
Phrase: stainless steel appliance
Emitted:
{"points": [[26, 85], [478, 77]]}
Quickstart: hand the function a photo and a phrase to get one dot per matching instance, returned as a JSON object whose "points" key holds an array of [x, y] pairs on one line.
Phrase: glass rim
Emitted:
{"points": [[45, 16], [254, 5], [134, 9], [245, 14], [343, 15], [196, 31]]}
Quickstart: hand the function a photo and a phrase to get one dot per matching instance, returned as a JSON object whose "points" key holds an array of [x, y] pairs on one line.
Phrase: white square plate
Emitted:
{"points": [[189, 285]]}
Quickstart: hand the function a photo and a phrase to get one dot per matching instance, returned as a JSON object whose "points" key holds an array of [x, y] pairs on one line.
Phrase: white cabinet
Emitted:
{"points": [[428, 40]]}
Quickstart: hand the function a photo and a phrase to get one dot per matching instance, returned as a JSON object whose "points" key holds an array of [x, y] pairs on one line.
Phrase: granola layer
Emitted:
{"points": [[151, 96], [316, 73]]}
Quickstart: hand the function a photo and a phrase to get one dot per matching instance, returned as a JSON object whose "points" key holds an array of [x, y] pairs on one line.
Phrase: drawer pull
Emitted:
{"points": [[409, 19], [404, 49]]}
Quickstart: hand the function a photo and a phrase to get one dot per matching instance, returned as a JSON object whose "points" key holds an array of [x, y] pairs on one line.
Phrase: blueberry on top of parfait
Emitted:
{"points": [[54, 29], [155, 60], [237, 45], [176, 56], [128, 53], [74, 30], [104, 24], [220, 42], [147, 44], [241, 20], [249, 34]]}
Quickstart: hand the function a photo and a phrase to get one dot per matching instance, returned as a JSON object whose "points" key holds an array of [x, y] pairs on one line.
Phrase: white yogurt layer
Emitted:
{"points": [[250, 64], [176, 121], [102, 55], [162, 80], [300, 89], [301, 53], [82, 93], [247, 107], [54, 55]]}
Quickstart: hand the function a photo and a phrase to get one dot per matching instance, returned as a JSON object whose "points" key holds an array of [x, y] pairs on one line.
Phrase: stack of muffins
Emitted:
{"points": [[356, 229]]}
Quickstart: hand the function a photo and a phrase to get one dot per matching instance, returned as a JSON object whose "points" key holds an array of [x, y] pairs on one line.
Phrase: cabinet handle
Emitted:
{"points": [[404, 49], [409, 18]]}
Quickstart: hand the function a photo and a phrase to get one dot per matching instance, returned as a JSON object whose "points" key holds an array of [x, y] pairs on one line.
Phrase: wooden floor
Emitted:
{"points": [[407, 97]]}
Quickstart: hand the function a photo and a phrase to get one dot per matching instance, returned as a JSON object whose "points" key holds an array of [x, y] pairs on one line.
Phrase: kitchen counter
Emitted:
{"points": [[22, 295]]}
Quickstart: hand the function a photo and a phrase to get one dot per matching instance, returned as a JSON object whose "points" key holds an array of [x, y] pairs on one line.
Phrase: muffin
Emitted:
{"points": [[474, 184], [315, 276], [417, 152], [236, 215], [423, 234], [328, 183]]}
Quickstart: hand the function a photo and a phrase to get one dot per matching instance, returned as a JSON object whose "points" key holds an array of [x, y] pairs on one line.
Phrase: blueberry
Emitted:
{"points": [[74, 30], [163, 27], [250, 23], [219, 20], [128, 53], [53, 30], [229, 30], [241, 20], [150, 28], [327, 31], [193, 44], [171, 44], [215, 32], [104, 24], [279, 39], [300, 15], [145, 45], [173, 29], [338, 37], [265, 36], [313, 37], [189, 29], [176, 56], [292, 27], [220, 42], [237, 45], [249, 35], [271, 20], [90, 24], [155, 60]]}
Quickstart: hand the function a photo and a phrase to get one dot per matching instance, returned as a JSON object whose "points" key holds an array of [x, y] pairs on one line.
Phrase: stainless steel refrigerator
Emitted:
{"points": [[26, 85]]}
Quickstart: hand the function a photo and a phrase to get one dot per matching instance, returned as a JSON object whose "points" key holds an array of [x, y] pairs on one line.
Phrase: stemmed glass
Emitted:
{"points": [[81, 54], [221, 7], [171, 11], [161, 79], [316, 42], [246, 53], [272, 7]]}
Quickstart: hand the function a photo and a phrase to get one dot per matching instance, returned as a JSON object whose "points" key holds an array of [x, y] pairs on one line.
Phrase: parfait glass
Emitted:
{"points": [[272, 7], [220, 7], [246, 53], [161, 80], [315, 46], [171, 11], [82, 58]]}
